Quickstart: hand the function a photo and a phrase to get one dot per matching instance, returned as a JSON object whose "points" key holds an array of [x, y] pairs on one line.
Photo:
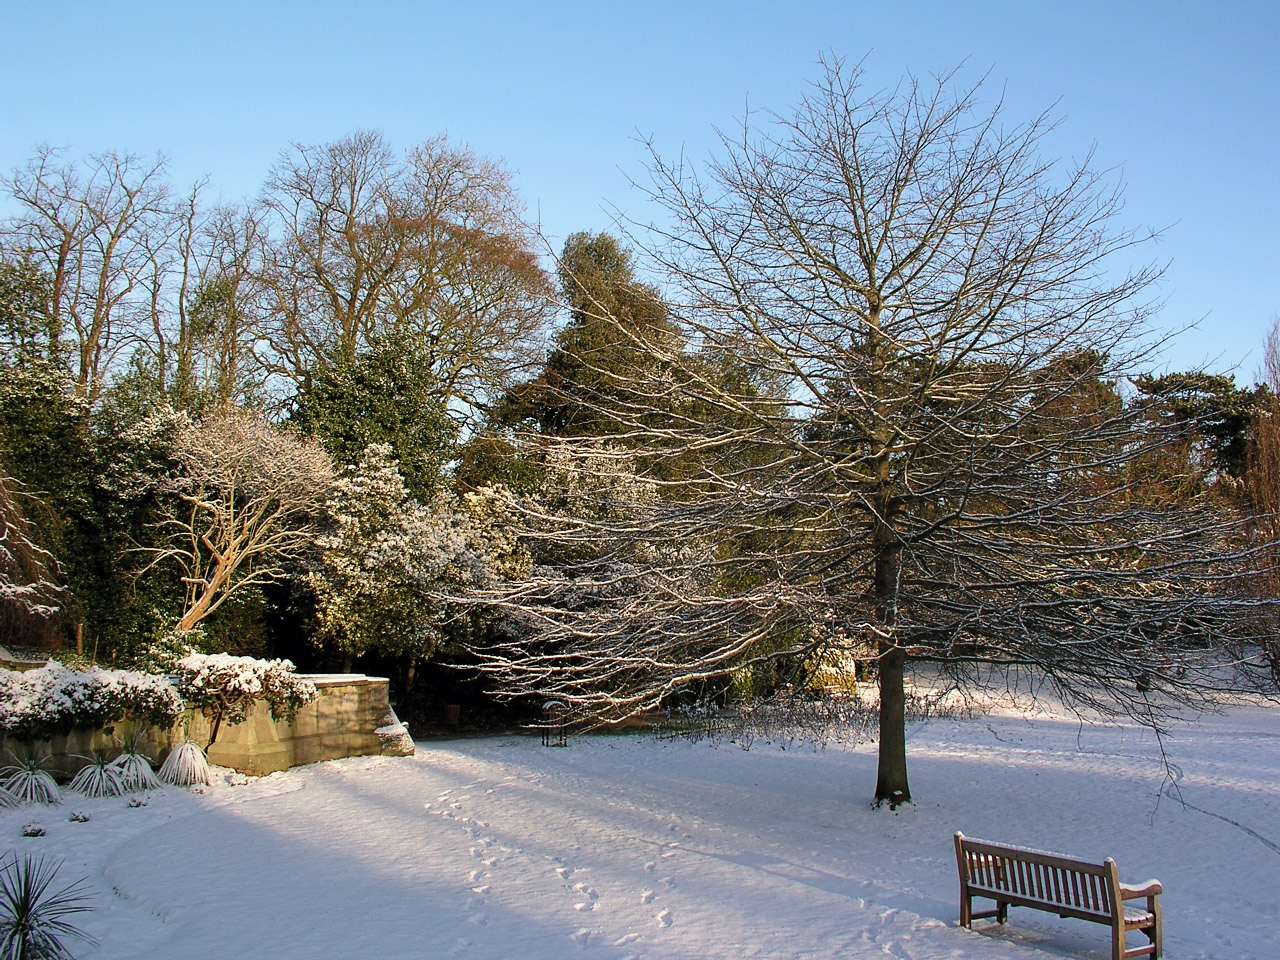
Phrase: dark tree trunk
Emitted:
{"points": [[214, 727], [891, 770], [410, 678]]}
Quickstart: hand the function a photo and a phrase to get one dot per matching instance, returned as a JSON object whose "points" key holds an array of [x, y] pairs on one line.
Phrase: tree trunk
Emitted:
{"points": [[891, 770], [214, 727], [203, 604], [348, 660], [410, 676]]}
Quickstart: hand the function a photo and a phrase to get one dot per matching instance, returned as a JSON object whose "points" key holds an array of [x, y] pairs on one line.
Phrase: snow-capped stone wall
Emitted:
{"points": [[351, 716], [344, 720]]}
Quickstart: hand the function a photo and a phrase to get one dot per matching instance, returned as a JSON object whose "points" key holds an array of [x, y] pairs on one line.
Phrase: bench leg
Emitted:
{"points": [[1002, 911], [1156, 931], [966, 909], [1117, 940]]}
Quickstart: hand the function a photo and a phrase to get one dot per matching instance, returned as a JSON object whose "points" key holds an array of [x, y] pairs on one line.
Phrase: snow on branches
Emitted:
{"points": [[225, 687], [395, 571], [248, 494], [25, 579], [53, 699]]}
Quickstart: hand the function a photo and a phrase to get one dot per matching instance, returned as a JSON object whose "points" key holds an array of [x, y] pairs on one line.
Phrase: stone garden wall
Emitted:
{"points": [[350, 717]]}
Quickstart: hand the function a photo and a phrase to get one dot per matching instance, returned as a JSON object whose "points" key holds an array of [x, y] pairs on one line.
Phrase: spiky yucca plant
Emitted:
{"points": [[135, 769], [27, 780], [101, 778], [136, 773], [185, 766], [33, 922], [7, 799]]}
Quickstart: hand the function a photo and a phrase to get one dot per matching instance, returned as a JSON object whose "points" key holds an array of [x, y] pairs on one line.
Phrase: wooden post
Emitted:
{"points": [[966, 901]]}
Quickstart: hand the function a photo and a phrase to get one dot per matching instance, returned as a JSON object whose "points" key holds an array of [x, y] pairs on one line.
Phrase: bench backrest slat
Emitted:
{"points": [[1037, 875]]}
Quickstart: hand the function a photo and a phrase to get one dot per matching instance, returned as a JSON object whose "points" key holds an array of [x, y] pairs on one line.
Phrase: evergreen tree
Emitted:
{"points": [[387, 395], [595, 361], [390, 563]]}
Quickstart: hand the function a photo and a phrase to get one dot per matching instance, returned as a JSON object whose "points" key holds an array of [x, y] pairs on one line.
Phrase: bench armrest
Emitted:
{"points": [[1132, 891]]}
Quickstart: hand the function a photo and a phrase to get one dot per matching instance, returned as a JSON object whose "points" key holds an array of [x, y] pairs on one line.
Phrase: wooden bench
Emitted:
{"points": [[1014, 876]]}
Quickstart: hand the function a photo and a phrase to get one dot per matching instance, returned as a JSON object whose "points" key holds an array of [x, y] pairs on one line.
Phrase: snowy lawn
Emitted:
{"points": [[625, 847]]}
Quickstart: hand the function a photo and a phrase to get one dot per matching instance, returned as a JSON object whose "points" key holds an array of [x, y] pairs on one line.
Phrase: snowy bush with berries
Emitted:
{"points": [[39, 703], [225, 687]]}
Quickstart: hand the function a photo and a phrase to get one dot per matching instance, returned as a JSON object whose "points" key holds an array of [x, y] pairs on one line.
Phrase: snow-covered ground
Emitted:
{"points": [[621, 846]]}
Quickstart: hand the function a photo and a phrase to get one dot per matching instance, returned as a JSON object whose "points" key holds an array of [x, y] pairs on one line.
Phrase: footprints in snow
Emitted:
{"points": [[483, 849], [586, 896], [489, 856]]}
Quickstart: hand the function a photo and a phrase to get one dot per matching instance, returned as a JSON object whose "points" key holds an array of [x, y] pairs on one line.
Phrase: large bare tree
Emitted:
{"points": [[949, 320], [203, 348], [100, 230], [430, 246]]}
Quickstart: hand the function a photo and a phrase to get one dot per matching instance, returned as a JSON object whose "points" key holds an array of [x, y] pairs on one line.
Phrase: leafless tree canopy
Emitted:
{"points": [[431, 247], [939, 469], [98, 231], [348, 242]]}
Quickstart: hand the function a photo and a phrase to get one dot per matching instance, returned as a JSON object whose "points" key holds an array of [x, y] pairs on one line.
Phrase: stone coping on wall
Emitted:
{"points": [[338, 679]]}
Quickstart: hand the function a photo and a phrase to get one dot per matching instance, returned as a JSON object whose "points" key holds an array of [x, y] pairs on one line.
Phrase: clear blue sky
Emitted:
{"points": [[1182, 96]]}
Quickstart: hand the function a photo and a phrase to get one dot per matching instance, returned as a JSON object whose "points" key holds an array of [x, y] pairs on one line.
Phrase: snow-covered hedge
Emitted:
{"points": [[225, 686], [53, 699]]}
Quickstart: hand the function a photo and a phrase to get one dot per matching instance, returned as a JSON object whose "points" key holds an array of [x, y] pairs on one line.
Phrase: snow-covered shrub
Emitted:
{"points": [[185, 766], [162, 653], [142, 697], [225, 687], [33, 828], [32, 915], [395, 571], [27, 780], [36, 704], [100, 778], [18, 697]]}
